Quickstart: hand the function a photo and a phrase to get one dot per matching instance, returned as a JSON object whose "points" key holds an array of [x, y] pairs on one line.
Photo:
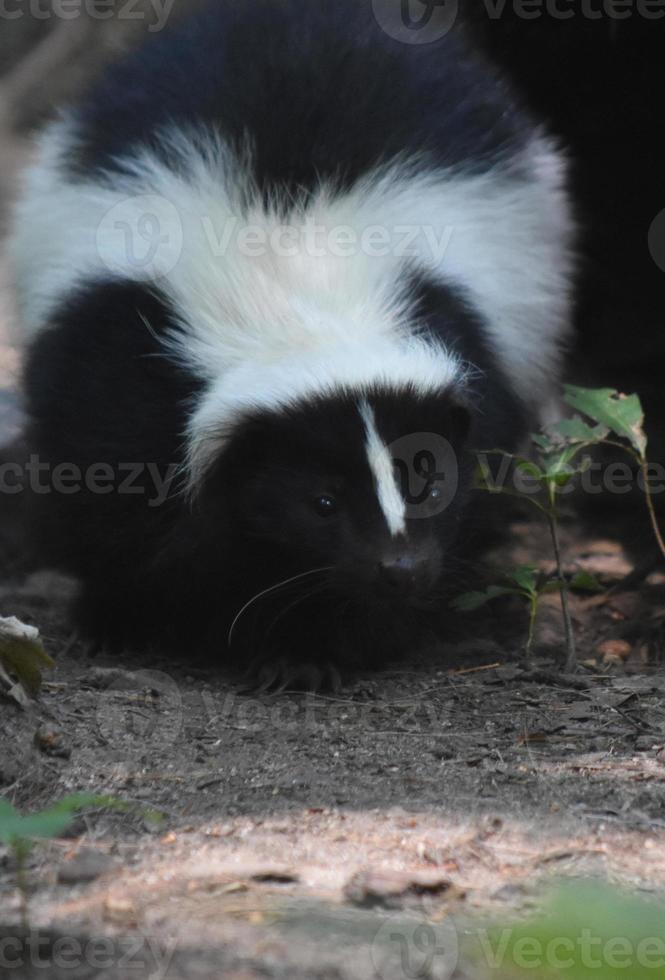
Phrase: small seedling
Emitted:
{"points": [[524, 581], [559, 458], [543, 478], [19, 832], [528, 583]]}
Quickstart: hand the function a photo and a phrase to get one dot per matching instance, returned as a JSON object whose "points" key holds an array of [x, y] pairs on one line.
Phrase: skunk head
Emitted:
{"points": [[366, 487]]}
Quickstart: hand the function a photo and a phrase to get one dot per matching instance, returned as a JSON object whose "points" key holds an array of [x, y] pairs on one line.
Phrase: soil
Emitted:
{"points": [[298, 831]]}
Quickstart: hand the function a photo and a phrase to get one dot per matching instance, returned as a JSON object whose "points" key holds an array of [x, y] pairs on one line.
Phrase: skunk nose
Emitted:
{"points": [[402, 574]]}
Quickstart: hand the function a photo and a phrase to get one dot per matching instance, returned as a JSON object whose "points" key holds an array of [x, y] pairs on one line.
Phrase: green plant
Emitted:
{"points": [[528, 583], [525, 581], [549, 472], [615, 413], [558, 458], [19, 832], [587, 929]]}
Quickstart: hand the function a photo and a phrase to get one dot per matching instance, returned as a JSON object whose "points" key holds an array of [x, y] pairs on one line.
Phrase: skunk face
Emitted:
{"points": [[317, 487], [357, 272], [347, 512]]}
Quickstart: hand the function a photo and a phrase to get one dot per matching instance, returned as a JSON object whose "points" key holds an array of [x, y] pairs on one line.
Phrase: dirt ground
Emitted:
{"points": [[306, 836]]}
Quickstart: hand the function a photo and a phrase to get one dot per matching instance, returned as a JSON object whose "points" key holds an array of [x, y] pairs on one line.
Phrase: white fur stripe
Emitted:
{"points": [[381, 465], [502, 237], [418, 365], [303, 315]]}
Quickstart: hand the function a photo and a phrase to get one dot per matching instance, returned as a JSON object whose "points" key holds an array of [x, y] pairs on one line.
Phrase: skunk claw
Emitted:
{"points": [[284, 674]]}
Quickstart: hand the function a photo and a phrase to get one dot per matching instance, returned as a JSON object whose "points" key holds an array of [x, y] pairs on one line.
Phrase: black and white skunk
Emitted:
{"points": [[274, 261]]}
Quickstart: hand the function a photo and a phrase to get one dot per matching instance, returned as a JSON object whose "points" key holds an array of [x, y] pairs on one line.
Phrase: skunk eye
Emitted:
{"points": [[325, 505], [435, 493]]}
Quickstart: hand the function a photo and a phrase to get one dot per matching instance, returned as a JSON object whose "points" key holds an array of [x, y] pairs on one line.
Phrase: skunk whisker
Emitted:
{"points": [[286, 609], [268, 591]]}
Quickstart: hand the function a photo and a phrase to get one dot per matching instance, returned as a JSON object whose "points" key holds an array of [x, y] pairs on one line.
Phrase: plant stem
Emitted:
{"points": [[644, 465], [533, 612], [21, 881], [571, 654]]}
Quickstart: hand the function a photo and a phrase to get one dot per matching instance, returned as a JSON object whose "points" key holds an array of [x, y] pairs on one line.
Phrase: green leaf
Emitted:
{"points": [[528, 581], [526, 577], [562, 460], [22, 653], [623, 414], [530, 468], [543, 441], [586, 582], [483, 479], [577, 430], [562, 479], [587, 931], [6, 809], [51, 821]]}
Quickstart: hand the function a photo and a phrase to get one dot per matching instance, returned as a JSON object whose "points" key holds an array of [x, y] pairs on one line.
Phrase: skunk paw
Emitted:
{"points": [[289, 674]]}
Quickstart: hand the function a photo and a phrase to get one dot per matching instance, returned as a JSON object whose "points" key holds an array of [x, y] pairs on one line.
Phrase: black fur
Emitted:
{"points": [[175, 573], [320, 91]]}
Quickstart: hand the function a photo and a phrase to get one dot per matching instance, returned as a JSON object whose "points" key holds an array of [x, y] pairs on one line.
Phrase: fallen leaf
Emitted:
{"points": [[22, 659]]}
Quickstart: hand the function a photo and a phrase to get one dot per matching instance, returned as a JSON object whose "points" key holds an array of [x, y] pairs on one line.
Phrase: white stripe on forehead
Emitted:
{"points": [[381, 464]]}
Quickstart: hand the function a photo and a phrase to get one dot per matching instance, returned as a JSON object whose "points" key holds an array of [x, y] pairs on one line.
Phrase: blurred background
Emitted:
{"points": [[50, 50]]}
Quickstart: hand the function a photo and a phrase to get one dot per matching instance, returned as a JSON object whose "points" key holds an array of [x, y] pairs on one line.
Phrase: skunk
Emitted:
{"points": [[289, 271]]}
